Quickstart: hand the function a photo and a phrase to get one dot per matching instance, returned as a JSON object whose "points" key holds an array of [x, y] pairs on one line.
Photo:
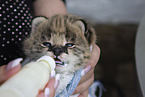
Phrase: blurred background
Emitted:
{"points": [[116, 23]]}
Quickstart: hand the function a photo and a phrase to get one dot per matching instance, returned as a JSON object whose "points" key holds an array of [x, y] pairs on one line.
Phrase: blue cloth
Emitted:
{"points": [[95, 86], [74, 82], [72, 85]]}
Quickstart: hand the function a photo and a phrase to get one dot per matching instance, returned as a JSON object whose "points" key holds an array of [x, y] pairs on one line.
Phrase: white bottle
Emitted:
{"points": [[29, 80]]}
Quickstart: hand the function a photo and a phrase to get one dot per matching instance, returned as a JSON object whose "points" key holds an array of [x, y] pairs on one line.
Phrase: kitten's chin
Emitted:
{"points": [[59, 62]]}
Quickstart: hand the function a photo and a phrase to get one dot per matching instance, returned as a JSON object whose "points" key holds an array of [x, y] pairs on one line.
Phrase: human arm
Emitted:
{"points": [[48, 8]]}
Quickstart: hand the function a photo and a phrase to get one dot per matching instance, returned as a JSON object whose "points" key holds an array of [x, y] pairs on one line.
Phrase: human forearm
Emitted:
{"points": [[49, 8]]}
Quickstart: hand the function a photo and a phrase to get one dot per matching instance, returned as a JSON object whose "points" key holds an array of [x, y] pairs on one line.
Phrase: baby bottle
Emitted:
{"points": [[29, 80]]}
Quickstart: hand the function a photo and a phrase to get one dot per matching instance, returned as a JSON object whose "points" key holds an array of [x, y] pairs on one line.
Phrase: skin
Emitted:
{"points": [[45, 7], [58, 7], [88, 79], [82, 88], [48, 8], [41, 7], [51, 87], [6, 74]]}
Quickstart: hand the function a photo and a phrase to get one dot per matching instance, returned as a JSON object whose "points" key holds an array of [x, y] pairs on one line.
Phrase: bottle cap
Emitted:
{"points": [[49, 60]]}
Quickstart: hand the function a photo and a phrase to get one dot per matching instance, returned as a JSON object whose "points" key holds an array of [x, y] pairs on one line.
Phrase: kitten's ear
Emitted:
{"points": [[88, 31], [36, 21], [82, 25]]}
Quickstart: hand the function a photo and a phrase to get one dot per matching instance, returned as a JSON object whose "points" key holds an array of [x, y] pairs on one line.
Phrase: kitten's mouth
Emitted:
{"points": [[59, 62]]}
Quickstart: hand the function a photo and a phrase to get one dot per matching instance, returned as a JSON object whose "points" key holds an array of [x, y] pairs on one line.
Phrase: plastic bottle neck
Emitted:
{"points": [[45, 63]]}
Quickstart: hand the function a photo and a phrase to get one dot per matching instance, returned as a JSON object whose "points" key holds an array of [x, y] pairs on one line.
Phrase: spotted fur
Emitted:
{"points": [[65, 38]]}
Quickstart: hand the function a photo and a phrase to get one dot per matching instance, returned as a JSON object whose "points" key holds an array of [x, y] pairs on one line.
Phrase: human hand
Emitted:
{"points": [[7, 71], [49, 91], [88, 74]]}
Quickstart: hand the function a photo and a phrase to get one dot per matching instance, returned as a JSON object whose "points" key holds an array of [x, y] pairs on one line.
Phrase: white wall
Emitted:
{"points": [[108, 11]]}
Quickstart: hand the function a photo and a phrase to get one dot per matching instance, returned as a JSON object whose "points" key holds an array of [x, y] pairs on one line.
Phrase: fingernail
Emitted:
{"points": [[86, 70], [52, 74], [14, 63], [47, 92], [57, 79], [73, 92]]}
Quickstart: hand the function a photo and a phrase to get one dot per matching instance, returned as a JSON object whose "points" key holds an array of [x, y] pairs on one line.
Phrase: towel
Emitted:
{"points": [[74, 82], [72, 85]]}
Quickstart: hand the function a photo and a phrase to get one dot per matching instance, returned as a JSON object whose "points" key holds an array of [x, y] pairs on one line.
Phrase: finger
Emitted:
{"points": [[93, 61], [13, 63], [84, 86], [87, 76], [52, 85], [95, 56], [86, 70], [51, 88], [12, 68], [41, 94], [57, 80], [2, 73], [49, 91], [84, 94]]}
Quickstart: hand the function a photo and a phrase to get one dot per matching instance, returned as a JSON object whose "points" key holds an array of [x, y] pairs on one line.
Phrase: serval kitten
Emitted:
{"points": [[66, 38]]}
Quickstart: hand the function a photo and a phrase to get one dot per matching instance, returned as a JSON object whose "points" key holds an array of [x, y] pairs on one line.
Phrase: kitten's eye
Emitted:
{"points": [[46, 44], [69, 45]]}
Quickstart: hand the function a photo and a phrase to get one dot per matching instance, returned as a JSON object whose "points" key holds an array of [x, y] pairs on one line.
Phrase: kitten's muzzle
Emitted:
{"points": [[59, 61], [58, 50]]}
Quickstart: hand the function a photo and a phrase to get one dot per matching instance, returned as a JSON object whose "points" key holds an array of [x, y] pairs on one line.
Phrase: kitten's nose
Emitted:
{"points": [[57, 51]]}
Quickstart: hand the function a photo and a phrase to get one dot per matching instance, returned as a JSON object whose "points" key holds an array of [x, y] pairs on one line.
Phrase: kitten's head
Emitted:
{"points": [[66, 38]]}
